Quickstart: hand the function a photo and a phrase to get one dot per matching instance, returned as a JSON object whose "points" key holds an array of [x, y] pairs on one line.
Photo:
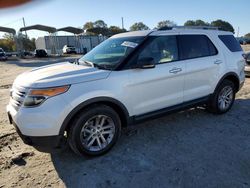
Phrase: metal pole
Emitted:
{"points": [[122, 23], [238, 31], [24, 25]]}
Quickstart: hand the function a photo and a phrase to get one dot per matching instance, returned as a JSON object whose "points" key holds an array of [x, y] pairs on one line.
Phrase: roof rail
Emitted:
{"points": [[165, 28], [189, 27]]}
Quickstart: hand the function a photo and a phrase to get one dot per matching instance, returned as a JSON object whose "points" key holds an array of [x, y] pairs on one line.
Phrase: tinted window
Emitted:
{"points": [[194, 46], [162, 49], [231, 43]]}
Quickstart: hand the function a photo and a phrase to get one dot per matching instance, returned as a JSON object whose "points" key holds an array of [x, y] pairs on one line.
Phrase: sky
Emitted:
{"points": [[62, 13]]}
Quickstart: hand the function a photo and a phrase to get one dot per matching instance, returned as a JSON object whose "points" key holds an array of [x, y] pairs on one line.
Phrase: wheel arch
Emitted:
{"points": [[232, 76], [113, 103]]}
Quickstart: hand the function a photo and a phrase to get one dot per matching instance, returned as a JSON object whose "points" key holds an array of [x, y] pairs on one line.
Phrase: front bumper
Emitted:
{"points": [[40, 126], [41, 143], [43, 120]]}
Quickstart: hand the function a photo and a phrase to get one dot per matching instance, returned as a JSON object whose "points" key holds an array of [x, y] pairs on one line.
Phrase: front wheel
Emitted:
{"points": [[95, 130], [223, 98]]}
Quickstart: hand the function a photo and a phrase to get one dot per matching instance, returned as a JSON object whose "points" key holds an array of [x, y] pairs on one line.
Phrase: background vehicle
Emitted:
{"points": [[40, 53], [247, 66], [128, 78], [244, 41], [69, 49], [27, 53], [3, 55]]}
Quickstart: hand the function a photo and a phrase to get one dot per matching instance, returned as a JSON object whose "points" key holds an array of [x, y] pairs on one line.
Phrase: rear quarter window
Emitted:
{"points": [[195, 46], [231, 43]]}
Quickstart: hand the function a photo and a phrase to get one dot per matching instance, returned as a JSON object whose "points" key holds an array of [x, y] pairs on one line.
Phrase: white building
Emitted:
{"points": [[82, 43]]}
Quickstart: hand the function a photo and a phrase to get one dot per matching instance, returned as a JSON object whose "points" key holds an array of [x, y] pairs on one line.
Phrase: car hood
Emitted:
{"points": [[59, 74]]}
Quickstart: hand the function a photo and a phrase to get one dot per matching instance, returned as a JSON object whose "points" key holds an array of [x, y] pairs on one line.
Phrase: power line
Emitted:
{"points": [[14, 21]]}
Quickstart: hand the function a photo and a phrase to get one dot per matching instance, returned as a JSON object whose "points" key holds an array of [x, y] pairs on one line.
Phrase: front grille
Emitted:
{"points": [[17, 95]]}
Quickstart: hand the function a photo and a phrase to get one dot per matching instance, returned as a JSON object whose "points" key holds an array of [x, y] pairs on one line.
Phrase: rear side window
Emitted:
{"points": [[195, 46], [231, 43]]}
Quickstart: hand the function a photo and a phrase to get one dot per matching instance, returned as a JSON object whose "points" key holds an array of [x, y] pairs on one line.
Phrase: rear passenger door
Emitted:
{"points": [[202, 63]]}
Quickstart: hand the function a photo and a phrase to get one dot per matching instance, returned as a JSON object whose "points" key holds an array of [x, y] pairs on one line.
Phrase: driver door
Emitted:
{"points": [[159, 87]]}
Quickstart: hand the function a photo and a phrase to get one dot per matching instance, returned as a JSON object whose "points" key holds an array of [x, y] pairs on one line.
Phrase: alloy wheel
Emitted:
{"points": [[97, 132], [225, 98]]}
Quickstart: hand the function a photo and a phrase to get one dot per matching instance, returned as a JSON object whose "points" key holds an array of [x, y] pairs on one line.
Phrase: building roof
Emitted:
{"points": [[8, 30], [39, 27], [70, 29]]}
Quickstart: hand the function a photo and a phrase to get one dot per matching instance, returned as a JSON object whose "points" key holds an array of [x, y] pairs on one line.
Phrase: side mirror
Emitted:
{"points": [[146, 63]]}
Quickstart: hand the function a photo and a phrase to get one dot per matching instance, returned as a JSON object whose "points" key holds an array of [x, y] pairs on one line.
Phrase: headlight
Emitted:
{"points": [[36, 97]]}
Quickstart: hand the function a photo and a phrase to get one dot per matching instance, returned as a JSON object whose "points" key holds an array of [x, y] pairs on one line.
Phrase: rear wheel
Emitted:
{"points": [[95, 130], [223, 98]]}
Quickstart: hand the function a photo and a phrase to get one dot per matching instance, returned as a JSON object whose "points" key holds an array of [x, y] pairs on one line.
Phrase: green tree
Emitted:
{"points": [[165, 23], [223, 25], [196, 23], [88, 25], [138, 26], [27, 43], [8, 36], [98, 31], [189, 23], [8, 43], [100, 24], [247, 35], [96, 28], [115, 30]]}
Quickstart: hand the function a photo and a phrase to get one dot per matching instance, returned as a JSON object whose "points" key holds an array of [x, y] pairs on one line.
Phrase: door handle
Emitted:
{"points": [[175, 70], [217, 62]]}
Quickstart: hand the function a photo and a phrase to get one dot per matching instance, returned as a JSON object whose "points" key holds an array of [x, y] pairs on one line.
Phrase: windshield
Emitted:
{"points": [[111, 52]]}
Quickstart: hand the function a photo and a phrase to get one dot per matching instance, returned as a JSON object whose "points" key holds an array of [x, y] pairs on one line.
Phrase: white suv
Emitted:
{"points": [[69, 49], [128, 78]]}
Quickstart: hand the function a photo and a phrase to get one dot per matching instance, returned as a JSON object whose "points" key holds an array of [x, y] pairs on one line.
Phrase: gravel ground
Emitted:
{"points": [[191, 148]]}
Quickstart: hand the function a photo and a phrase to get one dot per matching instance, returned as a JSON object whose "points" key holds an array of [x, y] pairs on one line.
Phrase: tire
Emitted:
{"points": [[215, 104], [95, 130]]}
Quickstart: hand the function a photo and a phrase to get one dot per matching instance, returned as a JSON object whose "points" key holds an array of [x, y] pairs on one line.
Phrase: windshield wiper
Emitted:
{"points": [[103, 66], [99, 66], [89, 63]]}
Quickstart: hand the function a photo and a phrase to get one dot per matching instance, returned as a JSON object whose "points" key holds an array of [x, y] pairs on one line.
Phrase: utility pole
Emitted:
{"points": [[24, 25], [238, 31], [122, 23]]}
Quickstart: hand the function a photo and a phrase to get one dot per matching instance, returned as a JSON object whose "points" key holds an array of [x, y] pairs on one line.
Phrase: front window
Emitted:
{"points": [[111, 52], [161, 49]]}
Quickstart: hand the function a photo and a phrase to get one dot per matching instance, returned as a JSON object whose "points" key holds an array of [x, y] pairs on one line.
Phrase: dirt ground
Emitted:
{"points": [[187, 149], [246, 47]]}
